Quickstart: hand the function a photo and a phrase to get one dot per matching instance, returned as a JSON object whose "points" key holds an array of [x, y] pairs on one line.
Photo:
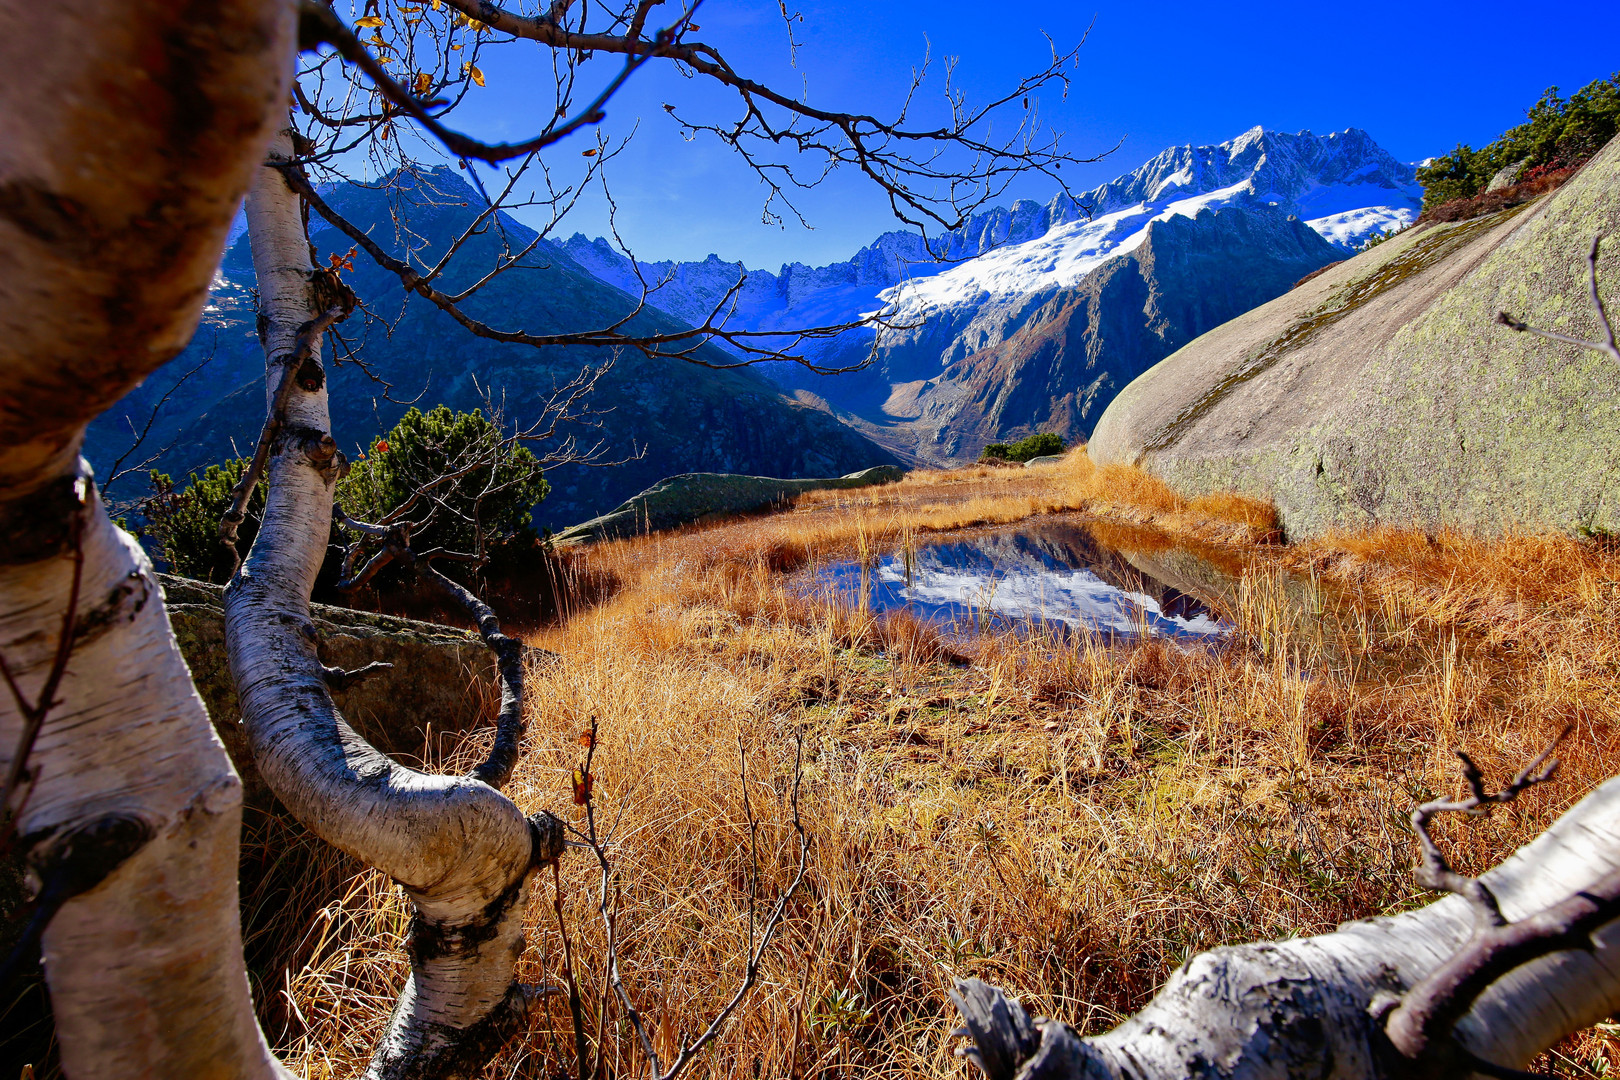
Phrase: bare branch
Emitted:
{"points": [[1420, 1025], [497, 768], [772, 923], [295, 368], [680, 344], [341, 679], [116, 471], [901, 159], [319, 25], [1606, 346]]}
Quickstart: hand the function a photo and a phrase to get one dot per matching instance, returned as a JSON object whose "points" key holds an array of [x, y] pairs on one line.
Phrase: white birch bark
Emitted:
{"points": [[128, 132], [463, 852], [121, 161], [1300, 1008]]}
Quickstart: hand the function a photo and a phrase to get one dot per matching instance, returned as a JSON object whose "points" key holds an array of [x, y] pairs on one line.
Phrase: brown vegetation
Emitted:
{"points": [[1489, 202], [1315, 274], [1067, 818]]}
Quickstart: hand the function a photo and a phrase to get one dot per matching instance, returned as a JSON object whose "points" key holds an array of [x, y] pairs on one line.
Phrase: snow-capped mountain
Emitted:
{"points": [[1344, 186], [1032, 318]]}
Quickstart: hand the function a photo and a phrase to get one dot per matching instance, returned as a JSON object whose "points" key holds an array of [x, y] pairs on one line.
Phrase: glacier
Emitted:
{"points": [[1343, 185]]}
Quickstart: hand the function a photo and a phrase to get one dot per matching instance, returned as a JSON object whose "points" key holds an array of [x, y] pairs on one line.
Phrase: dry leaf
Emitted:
{"points": [[369, 20], [587, 153]]}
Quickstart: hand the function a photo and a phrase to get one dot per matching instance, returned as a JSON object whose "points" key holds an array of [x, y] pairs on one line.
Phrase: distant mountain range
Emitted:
{"points": [[1006, 273], [665, 416], [1030, 318]]}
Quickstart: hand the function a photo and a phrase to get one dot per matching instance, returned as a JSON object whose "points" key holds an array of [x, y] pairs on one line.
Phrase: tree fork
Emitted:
{"points": [[463, 852]]}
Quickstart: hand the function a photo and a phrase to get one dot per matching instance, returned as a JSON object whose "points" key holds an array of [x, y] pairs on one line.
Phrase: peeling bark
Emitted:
{"points": [[463, 852], [1315, 1007]]}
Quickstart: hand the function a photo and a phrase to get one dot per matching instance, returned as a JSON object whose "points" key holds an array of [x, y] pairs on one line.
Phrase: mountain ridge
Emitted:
{"points": [[1342, 184], [664, 416]]}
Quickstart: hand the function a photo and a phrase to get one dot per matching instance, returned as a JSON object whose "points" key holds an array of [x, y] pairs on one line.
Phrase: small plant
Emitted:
{"points": [[840, 1011], [1378, 237], [1042, 445]]}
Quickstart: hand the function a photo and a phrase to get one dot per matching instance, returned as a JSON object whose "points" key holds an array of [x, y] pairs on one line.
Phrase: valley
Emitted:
{"points": [[1070, 814], [1148, 628]]}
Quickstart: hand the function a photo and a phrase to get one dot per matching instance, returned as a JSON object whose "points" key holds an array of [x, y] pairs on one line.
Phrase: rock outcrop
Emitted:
{"points": [[442, 681], [1383, 391], [694, 497]]}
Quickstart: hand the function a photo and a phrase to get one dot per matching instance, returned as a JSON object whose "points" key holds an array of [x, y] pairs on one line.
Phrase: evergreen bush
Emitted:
{"points": [[1033, 447], [497, 487], [1558, 133]]}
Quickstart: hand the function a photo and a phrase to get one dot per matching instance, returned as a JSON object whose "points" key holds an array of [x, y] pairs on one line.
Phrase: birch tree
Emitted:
{"points": [[122, 160], [462, 851], [128, 136]]}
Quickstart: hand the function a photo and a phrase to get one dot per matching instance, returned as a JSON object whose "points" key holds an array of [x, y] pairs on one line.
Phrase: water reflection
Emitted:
{"points": [[1052, 575]]}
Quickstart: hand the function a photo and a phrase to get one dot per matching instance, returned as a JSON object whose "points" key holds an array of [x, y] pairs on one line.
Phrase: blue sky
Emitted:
{"points": [[1419, 77]]}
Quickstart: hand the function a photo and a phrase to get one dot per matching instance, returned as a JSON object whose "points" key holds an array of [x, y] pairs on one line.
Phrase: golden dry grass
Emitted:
{"points": [[1068, 818]]}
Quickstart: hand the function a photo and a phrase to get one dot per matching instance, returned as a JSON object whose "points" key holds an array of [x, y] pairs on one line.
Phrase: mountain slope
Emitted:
{"points": [[1342, 185], [1052, 360], [958, 373], [668, 416]]}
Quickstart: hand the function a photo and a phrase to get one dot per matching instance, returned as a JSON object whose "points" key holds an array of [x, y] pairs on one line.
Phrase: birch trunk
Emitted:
{"points": [[1306, 1007], [463, 852], [128, 133], [122, 159]]}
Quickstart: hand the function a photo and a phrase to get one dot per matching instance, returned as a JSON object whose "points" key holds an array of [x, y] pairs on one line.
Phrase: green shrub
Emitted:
{"points": [[1378, 237], [1457, 175], [499, 494], [1558, 133], [1033, 447], [183, 526]]}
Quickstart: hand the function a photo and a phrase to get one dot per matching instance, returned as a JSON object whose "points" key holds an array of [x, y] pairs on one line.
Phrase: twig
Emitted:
{"points": [[340, 679], [673, 344], [1434, 872], [574, 1010], [292, 363], [1420, 1026], [116, 471], [772, 923], [35, 712], [1607, 346], [319, 25]]}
